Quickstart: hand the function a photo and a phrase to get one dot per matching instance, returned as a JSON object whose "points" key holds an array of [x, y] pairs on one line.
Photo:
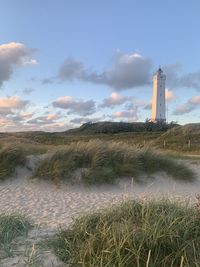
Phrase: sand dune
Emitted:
{"points": [[51, 205]]}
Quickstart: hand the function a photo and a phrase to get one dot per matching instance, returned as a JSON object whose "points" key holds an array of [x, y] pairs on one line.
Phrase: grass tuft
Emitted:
{"points": [[158, 234], [154, 162], [107, 161], [11, 226], [10, 158]]}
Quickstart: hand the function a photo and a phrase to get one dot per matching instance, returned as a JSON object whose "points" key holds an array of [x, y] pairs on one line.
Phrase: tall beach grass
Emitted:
{"points": [[10, 158], [139, 234], [104, 162], [11, 227]]}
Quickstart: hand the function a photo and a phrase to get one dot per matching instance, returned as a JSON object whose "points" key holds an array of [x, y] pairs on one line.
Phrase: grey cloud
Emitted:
{"points": [[71, 69], [5, 111], [38, 121], [48, 81], [28, 91], [191, 80], [19, 117], [172, 74], [79, 107], [148, 106], [45, 119], [188, 107], [127, 71], [177, 80], [13, 55]]}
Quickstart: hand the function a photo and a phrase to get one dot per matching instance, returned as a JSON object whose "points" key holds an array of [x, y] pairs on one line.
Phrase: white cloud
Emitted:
{"points": [[169, 94], [114, 99], [13, 55], [14, 102], [25, 121], [129, 114]]}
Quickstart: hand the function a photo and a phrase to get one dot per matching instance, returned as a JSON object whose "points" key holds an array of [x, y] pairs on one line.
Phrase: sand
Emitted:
{"points": [[51, 206]]}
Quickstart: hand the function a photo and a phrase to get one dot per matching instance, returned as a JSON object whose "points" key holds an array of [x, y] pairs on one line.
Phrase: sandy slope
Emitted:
{"points": [[53, 205], [50, 206]]}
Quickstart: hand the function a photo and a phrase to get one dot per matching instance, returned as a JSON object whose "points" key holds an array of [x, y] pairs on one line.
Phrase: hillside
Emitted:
{"points": [[120, 127], [185, 137], [137, 131]]}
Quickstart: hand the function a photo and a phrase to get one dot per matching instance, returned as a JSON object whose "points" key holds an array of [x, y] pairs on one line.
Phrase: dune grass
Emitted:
{"points": [[104, 162], [11, 227], [139, 234], [10, 158], [154, 162]]}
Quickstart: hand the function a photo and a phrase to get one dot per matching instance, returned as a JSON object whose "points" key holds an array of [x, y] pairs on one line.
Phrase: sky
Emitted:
{"points": [[67, 62]]}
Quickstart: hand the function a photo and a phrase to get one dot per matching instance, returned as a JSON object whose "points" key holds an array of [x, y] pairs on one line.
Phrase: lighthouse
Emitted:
{"points": [[158, 101]]}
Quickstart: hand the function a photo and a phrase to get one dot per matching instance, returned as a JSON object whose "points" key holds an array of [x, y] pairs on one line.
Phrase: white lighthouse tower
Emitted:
{"points": [[158, 101]]}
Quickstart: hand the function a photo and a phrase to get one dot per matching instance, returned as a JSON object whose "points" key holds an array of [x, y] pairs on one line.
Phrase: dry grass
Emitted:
{"points": [[106, 161]]}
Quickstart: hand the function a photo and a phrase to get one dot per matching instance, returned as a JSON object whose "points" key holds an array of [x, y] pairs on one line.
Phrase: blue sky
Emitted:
{"points": [[66, 62]]}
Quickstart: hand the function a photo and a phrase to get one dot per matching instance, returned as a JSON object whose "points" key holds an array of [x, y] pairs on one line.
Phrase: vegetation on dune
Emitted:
{"points": [[154, 162], [117, 127], [11, 226], [156, 234], [181, 138], [169, 136], [104, 162], [104, 130], [10, 157], [101, 161]]}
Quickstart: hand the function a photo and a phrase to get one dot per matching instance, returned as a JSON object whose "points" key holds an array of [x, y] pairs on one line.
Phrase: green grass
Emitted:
{"points": [[104, 162], [139, 234], [154, 162], [10, 158], [11, 227]]}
